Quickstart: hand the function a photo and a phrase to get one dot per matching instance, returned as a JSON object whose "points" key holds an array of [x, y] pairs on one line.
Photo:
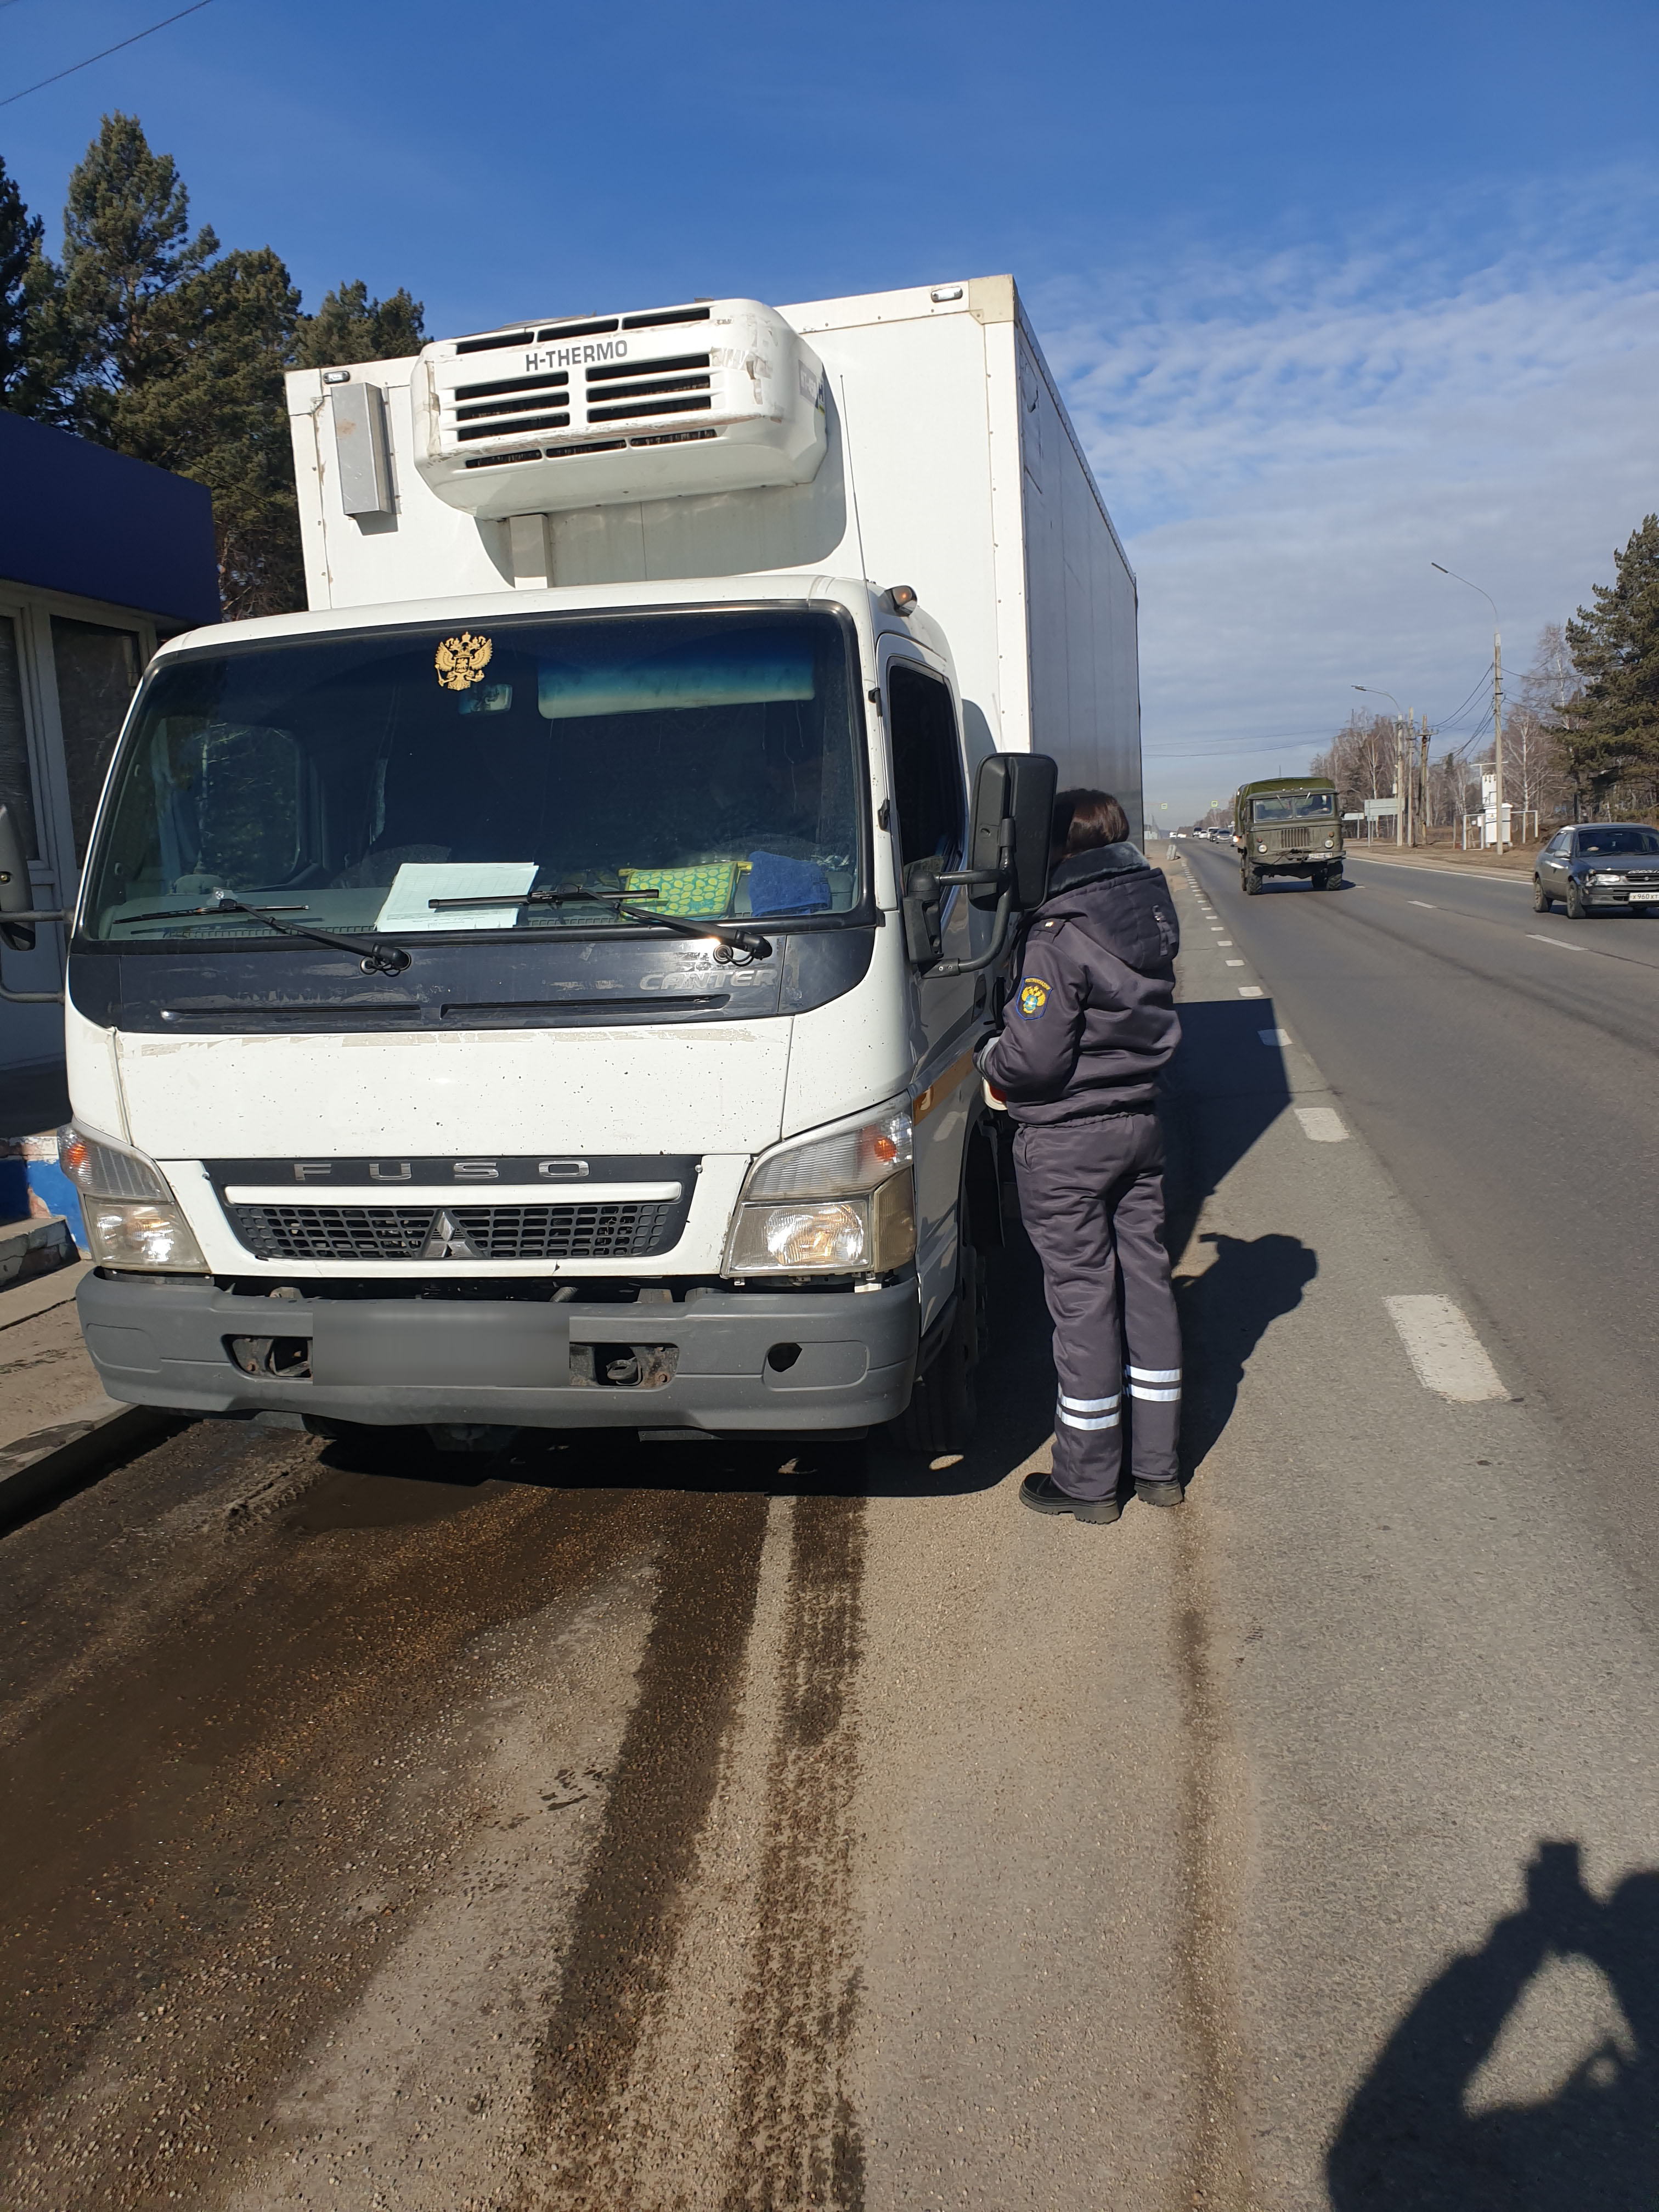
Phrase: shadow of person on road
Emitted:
{"points": [[1226, 1089], [1224, 1314], [1409, 2140]]}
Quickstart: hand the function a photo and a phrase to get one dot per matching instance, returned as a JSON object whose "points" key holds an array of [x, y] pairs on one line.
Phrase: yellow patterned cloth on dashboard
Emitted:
{"points": [[706, 889]]}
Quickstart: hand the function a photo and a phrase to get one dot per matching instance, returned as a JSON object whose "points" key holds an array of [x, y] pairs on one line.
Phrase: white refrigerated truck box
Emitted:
{"points": [[731, 1175], [943, 460]]}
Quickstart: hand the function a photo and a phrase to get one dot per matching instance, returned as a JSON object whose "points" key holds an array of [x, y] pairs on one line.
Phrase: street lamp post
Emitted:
{"points": [[1377, 691], [1497, 697]]}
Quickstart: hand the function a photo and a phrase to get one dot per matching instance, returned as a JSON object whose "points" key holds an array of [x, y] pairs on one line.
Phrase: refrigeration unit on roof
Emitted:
{"points": [[718, 396]]}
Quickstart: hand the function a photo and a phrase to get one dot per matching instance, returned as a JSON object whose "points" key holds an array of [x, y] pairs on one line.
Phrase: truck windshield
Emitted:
{"points": [[692, 764], [1295, 807]]}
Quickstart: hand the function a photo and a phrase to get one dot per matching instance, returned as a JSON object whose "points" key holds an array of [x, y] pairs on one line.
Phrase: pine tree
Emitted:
{"points": [[19, 242], [127, 249], [212, 408], [1615, 648], [351, 327]]}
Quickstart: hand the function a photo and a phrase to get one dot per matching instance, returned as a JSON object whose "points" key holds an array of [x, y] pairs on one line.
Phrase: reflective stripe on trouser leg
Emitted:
{"points": [[1152, 1332]]}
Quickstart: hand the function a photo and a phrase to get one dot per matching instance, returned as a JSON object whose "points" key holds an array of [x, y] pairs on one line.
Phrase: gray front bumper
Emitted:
{"points": [[164, 1344]]}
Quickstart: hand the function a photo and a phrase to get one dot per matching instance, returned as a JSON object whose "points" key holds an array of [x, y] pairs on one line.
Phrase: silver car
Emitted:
{"points": [[1599, 867]]}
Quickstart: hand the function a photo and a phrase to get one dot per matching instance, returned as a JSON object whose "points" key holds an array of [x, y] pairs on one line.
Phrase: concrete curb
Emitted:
{"points": [[101, 1431], [31, 1247]]}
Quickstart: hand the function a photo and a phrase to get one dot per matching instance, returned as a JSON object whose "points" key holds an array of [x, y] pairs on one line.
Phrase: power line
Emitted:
{"points": [[195, 9]]}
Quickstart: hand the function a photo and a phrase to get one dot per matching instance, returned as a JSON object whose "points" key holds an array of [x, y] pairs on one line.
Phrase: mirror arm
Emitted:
{"points": [[998, 944], [34, 914]]}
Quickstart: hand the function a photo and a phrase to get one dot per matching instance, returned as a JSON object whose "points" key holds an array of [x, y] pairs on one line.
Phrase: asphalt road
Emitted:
{"points": [[633, 1826], [1504, 1065]]}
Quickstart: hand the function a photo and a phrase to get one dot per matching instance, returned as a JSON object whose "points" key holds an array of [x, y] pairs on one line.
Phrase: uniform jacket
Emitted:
{"points": [[1092, 1023]]}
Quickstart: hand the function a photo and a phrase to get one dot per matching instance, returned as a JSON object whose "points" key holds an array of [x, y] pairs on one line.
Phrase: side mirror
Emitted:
{"points": [[1016, 787], [1008, 856], [16, 896]]}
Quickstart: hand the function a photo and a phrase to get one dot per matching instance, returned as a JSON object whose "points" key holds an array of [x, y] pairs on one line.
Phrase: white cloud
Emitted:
{"points": [[1287, 444]]}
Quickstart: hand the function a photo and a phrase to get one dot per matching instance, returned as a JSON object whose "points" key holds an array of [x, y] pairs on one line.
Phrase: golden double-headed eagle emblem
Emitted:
{"points": [[461, 661]]}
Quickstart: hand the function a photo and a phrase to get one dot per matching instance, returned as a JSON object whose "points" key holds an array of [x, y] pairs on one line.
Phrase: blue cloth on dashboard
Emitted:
{"points": [[778, 884]]}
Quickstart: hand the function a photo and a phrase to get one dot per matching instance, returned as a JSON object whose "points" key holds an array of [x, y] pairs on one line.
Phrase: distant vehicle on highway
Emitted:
{"points": [[1288, 826], [1599, 867]]}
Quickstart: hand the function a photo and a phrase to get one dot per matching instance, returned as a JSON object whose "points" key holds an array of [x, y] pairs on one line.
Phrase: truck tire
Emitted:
{"points": [[1332, 879], [1251, 879], [944, 1407]]}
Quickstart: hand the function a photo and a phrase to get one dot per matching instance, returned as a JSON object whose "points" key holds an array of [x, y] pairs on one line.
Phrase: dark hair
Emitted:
{"points": [[1086, 819]]}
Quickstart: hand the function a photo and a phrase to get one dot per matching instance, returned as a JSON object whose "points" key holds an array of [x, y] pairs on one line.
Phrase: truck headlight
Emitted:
{"points": [[839, 1202], [133, 1219]]}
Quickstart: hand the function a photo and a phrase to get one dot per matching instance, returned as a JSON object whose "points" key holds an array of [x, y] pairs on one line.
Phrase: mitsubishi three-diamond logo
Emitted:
{"points": [[445, 1240]]}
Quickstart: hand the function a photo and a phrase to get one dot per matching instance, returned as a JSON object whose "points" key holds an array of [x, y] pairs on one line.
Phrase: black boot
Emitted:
{"points": [[1042, 1495], [1157, 1493]]}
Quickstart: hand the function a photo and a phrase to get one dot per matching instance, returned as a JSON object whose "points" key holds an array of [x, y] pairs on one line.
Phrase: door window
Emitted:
{"points": [[16, 788], [927, 765], [97, 675]]}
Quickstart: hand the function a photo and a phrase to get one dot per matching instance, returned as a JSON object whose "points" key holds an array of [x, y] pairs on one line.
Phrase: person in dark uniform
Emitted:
{"points": [[1088, 1028]]}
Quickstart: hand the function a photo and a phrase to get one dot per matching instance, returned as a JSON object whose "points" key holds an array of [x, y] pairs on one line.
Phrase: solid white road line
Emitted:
{"points": [[1274, 1037], [1322, 1123], [1447, 1355]]}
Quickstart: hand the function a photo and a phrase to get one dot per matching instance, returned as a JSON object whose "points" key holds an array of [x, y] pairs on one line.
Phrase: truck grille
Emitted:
{"points": [[620, 1229], [1286, 840]]}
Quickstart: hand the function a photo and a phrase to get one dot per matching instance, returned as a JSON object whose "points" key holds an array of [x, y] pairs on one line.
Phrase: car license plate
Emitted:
{"points": [[1643, 895]]}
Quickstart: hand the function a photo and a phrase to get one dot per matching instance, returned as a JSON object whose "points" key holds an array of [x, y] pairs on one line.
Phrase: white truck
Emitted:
{"points": [[528, 989]]}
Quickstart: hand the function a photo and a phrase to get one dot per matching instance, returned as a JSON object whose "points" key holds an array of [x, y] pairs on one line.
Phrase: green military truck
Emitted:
{"points": [[1289, 825]]}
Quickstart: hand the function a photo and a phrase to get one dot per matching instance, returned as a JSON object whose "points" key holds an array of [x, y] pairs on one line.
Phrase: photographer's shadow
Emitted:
{"points": [[1410, 2143], [1224, 1314]]}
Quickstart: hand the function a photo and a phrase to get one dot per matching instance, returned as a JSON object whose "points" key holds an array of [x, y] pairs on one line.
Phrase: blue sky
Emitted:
{"points": [[1332, 292]]}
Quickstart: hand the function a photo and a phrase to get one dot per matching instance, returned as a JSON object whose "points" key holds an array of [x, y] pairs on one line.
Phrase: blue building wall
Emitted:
{"points": [[77, 518]]}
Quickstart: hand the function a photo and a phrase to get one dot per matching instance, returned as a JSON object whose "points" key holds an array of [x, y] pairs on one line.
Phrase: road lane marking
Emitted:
{"points": [[1251, 991], [1429, 903], [1447, 1355], [1226, 940], [1274, 1037], [1322, 1123], [1559, 943], [1234, 964]]}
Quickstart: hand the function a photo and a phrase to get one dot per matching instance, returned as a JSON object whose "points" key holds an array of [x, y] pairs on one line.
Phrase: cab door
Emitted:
{"points": [[945, 1013]]}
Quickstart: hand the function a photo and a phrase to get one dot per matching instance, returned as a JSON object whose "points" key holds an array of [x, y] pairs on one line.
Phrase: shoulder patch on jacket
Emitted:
{"points": [[1034, 997]]}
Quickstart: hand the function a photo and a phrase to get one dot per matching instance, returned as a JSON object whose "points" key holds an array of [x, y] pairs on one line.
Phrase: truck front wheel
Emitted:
{"points": [[1251, 880]]}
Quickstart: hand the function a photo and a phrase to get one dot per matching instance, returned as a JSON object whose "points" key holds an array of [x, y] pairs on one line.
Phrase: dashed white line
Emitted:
{"points": [[1226, 940], [1234, 964], [1447, 1355], [1323, 1124], [1251, 991], [1429, 903], [1559, 943]]}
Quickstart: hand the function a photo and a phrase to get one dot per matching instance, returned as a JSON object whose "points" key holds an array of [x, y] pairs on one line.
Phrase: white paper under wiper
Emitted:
{"points": [[417, 882]]}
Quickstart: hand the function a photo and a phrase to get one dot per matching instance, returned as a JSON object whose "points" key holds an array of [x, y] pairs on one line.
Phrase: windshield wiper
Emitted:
{"points": [[749, 942], [381, 959]]}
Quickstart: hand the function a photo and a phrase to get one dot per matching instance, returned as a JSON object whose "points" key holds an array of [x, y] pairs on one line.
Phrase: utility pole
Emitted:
{"points": [[1498, 724], [1423, 776], [1497, 695]]}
